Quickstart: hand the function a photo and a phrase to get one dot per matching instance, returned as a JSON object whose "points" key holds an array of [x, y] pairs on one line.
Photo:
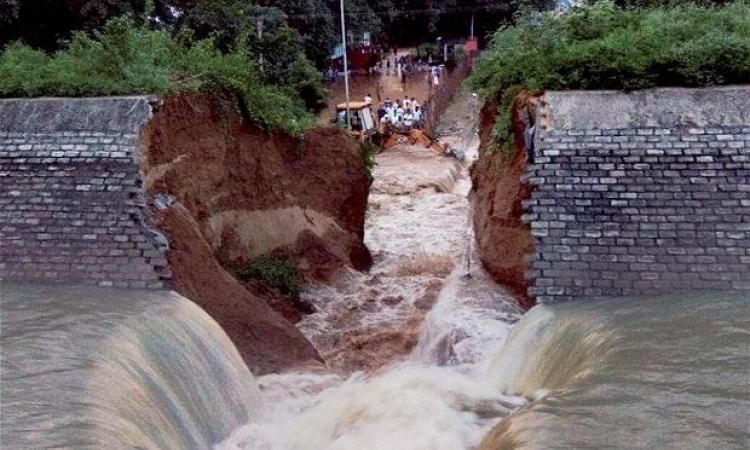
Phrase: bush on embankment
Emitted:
{"points": [[125, 58], [603, 46]]}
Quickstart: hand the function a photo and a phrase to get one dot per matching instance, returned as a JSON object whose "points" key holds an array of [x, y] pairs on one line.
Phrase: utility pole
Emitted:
{"points": [[346, 67], [260, 39]]}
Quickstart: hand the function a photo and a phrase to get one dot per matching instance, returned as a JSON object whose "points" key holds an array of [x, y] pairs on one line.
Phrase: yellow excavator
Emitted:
{"points": [[363, 125]]}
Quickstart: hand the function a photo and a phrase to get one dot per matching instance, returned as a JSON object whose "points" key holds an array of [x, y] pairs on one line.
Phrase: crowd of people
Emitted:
{"points": [[402, 113]]}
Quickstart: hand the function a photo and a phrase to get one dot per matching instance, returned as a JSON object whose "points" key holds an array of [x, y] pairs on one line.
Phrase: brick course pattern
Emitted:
{"points": [[639, 209], [71, 196]]}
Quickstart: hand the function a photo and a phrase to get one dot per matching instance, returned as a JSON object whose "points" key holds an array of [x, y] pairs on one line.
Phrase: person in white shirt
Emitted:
{"points": [[368, 99], [408, 118], [418, 115], [400, 113], [407, 102], [392, 114]]}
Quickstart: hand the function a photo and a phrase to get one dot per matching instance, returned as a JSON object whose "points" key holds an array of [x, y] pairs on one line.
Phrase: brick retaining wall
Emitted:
{"points": [[640, 193], [71, 197]]}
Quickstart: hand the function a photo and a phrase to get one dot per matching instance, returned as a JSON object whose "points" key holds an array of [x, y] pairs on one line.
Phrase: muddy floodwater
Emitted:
{"points": [[407, 342], [423, 352]]}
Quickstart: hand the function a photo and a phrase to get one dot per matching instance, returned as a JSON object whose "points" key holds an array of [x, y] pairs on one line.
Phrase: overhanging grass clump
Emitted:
{"points": [[275, 273], [124, 58], [369, 152], [602, 46]]}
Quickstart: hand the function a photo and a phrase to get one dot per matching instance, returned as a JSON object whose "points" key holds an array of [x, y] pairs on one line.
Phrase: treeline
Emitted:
{"points": [[44, 24], [606, 46]]}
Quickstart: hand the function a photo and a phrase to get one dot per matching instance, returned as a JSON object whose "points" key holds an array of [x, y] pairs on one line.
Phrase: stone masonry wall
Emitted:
{"points": [[641, 193], [71, 197]]}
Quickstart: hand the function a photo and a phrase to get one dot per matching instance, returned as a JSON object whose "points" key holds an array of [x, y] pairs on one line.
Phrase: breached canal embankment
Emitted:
{"points": [[419, 356]]}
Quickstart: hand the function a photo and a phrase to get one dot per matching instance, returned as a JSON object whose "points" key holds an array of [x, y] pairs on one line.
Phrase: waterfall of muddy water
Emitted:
{"points": [[90, 368], [424, 359], [408, 343], [657, 373]]}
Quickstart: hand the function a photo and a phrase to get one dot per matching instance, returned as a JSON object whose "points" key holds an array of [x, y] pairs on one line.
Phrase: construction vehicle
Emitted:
{"points": [[414, 136], [363, 125]]}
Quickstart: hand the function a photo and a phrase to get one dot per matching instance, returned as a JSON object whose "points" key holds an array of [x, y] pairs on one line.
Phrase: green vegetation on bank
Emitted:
{"points": [[278, 274], [603, 46], [126, 58], [369, 152]]}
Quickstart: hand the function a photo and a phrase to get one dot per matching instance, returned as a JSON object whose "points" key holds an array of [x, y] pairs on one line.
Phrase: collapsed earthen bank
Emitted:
{"points": [[503, 240], [137, 192]]}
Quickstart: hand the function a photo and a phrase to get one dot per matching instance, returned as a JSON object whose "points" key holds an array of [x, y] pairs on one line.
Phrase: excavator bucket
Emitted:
{"points": [[415, 137], [422, 138]]}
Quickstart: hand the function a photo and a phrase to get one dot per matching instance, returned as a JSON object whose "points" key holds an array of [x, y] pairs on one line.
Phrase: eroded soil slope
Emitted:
{"points": [[254, 193], [235, 193], [266, 341], [503, 241]]}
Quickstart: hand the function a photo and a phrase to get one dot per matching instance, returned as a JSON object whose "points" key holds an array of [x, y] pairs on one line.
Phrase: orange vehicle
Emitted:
{"points": [[363, 122]]}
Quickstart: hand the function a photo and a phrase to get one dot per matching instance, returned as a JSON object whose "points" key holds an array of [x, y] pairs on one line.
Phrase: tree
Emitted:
{"points": [[314, 21], [43, 23], [225, 20], [278, 48], [360, 16]]}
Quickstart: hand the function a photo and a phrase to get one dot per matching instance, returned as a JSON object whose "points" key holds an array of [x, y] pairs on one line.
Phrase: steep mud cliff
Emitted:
{"points": [[254, 193], [234, 193], [503, 241], [265, 339]]}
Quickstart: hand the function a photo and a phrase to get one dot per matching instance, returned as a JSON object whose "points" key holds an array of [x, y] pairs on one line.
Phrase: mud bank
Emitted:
{"points": [[264, 338], [235, 193], [503, 240]]}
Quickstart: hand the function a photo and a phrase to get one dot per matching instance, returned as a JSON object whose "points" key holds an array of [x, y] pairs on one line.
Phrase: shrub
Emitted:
{"points": [[125, 58], [307, 83], [275, 273], [602, 46], [503, 134], [369, 152]]}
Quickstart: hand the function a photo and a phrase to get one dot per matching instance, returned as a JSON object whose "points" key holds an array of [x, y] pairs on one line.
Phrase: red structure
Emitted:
{"points": [[360, 58]]}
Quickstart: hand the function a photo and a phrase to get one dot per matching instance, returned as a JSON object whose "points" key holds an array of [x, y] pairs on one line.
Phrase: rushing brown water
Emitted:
{"points": [[670, 372], [90, 368], [421, 359]]}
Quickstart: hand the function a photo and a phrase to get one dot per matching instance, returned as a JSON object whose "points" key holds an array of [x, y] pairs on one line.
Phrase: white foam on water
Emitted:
{"points": [[406, 407], [436, 397]]}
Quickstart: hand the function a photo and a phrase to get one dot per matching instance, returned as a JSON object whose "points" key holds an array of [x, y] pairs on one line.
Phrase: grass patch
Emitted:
{"points": [[369, 152], [275, 273], [603, 46], [503, 135]]}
